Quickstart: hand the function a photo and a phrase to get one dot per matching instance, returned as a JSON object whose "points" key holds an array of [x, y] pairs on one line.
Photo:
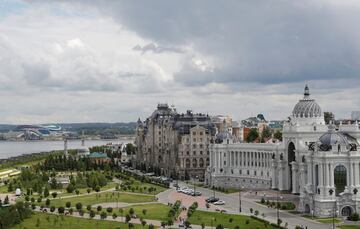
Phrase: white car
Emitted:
{"points": [[219, 202]]}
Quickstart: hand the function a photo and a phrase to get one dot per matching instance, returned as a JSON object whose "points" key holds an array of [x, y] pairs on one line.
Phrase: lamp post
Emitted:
{"points": [[242, 187], [277, 207], [334, 215]]}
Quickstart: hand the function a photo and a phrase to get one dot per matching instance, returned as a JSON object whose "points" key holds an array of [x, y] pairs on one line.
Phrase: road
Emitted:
{"points": [[232, 206]]}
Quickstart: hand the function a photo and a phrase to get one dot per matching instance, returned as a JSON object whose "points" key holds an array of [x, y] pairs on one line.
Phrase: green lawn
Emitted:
{"points": [[104, 197], [140, 187], [153, 211], [216, 218], [329, 220], [350, 227], [60, 222], [323, 220], [3, 189]]}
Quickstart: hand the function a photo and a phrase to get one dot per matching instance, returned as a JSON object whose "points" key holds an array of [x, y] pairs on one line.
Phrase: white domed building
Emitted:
{"points": [[314, 160]]}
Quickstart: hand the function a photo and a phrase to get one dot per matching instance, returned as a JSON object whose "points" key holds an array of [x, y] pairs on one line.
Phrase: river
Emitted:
{"points": [[16, 148]]}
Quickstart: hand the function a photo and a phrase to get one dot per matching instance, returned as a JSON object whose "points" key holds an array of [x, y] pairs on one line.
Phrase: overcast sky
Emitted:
{"points": [[110, 61]]}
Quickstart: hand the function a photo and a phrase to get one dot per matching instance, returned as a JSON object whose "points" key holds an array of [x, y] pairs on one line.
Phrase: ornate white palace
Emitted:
{"points": [[319, 162]]}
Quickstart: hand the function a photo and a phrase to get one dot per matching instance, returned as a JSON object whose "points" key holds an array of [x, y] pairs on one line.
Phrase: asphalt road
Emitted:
{"points": [[232, 206]]}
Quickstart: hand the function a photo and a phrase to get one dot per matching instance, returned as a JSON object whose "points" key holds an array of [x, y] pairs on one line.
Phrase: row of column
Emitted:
{"points": [[259, 159]]}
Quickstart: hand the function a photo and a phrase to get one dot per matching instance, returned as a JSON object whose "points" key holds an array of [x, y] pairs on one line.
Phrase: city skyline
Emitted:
{"points": [[86, 61]]}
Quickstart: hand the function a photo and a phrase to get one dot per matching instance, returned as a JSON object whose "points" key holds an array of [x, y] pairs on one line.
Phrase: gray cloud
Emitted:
{"points": [[252, 41]]}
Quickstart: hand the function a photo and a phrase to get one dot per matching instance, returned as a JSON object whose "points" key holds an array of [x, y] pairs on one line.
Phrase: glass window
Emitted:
{"points": [[340, 179]]}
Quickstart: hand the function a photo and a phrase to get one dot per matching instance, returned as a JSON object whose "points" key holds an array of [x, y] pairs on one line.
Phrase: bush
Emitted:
{"points": [[92, 214], [78, 206], [61, 210], [103, 215], [47, 202], [219, 226], [247, 221], [71, 211], [39, 200], [54, 194], [109, 209], [68, 204], [70, 188], [88, 207], [99, 208], [354, 217], [262, 200], [114, 215], [52, 208]]}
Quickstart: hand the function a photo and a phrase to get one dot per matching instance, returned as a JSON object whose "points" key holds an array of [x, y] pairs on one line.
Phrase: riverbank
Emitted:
{"points": [[11, 149]]}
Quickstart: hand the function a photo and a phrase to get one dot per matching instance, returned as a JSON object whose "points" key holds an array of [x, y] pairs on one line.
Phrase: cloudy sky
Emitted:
{"points": [[85, 61]]}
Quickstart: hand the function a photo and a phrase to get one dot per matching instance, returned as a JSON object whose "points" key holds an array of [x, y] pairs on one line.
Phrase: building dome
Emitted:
{"points": [[307, 107], [333, 137], [221, 136]]}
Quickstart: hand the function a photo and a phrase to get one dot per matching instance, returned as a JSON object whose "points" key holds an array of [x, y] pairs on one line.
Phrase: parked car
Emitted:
{"points": [[219, 202], [212, 199]]}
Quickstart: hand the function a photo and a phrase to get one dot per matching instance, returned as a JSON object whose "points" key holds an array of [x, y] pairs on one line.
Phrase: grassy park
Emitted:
{"points": [[43, 220], [104, 197], [215, 218], [153, 211]]}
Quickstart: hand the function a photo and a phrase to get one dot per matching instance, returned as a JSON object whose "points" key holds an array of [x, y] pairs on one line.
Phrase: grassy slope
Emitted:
{"points": [[350, 227], [68, 222], [200, 217]]}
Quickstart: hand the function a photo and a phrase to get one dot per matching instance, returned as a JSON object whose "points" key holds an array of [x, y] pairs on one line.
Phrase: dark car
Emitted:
{"points": [[212, 199]]}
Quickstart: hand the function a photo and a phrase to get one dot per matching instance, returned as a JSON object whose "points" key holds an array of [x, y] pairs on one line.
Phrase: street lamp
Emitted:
{"points": [[277, 207], [335, 212], [240, 198]]}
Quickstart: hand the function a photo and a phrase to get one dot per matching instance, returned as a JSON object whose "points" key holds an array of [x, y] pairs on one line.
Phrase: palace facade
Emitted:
{"points": [[319, 162]]}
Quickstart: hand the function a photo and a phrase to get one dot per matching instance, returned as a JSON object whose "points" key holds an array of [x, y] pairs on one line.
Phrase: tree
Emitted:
{"points": [[151, 226], [88, 190], [92, 214], [52, 208], [251, 210], [278, 135], [78, 206], [77, 192], [68, 204], [219, 226], [103, 215], [70, 188], [88, 207], [109, 209], [71, 211], [99, 208], [256, 212], [61, 210], [144, 211], [329, 117], [187, 224], [131, 211], [127, 218], [252, 135], [266, 133], [143, 223], [114, 215], [6, 200], [163, 224], [47, 202], [54, 194], [46, 192]]}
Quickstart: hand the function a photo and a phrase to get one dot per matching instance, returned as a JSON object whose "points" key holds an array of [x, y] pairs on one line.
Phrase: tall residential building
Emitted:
{"points": [[175, 144]]}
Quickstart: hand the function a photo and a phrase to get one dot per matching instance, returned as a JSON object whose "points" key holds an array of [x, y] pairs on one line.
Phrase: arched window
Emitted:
{"points": [[201, 162], [340, 179], [187, 163], [207, 162], [194, 163]]}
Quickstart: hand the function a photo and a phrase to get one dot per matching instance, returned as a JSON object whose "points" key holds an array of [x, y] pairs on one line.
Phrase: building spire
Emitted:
{"points": [[306, 92]]}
